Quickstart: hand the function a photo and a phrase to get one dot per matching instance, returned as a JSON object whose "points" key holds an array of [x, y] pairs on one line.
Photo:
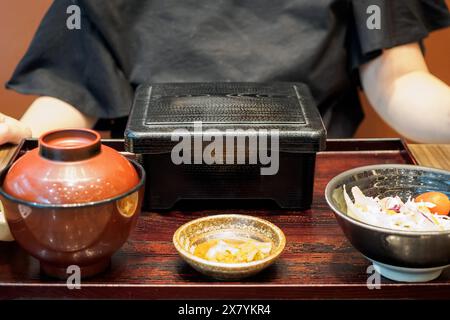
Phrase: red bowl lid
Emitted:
{"points": [[70, 166]]}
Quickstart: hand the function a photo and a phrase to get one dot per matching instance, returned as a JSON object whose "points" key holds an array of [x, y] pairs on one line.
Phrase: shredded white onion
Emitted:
{"points": [[393, 213]]}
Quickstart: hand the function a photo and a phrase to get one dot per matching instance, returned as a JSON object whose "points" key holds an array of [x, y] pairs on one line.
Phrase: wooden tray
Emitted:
{"points": [[318, 261]]}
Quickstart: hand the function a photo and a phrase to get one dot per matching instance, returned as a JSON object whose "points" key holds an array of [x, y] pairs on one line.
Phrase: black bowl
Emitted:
{"points": [[398, 255]]}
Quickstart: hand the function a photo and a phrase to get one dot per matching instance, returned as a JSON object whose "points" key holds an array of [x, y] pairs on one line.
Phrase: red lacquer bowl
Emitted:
{"points": [[72, 201]]}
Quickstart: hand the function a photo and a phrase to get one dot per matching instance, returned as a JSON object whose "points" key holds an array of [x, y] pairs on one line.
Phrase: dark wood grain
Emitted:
{"points": [[318, 261]]}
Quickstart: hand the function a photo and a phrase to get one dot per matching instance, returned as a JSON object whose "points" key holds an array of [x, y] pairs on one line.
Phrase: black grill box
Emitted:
{"points": [[165, 116]]}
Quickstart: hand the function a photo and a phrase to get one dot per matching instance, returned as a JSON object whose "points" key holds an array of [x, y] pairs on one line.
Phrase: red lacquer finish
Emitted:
{"points": [[70, 166], [72, 201]]}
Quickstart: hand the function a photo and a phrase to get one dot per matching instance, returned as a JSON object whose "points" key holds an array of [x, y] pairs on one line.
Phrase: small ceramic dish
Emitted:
{"points": [[228, 226]]}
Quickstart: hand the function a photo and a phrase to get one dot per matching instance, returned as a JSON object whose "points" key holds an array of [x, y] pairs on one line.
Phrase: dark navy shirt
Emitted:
{"points": [[123, 43]]}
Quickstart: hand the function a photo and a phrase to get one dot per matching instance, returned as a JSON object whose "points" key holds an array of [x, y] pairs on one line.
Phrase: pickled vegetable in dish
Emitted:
{"points": [[393, 213], [232, 250]]}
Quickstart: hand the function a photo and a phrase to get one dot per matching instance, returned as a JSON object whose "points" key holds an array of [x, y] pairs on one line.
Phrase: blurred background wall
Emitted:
{"points": [[20, 18]]}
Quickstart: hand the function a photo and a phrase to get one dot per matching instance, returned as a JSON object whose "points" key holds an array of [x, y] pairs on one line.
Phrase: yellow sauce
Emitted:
{"points": [[233, 250]]}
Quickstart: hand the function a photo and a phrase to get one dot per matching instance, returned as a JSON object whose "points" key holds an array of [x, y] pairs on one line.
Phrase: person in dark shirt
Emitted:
{"points": [[87, 76]]}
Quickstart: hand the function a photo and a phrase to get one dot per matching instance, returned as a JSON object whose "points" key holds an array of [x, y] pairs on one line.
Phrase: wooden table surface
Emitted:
{"points": [[318, 261], [432, 155]]}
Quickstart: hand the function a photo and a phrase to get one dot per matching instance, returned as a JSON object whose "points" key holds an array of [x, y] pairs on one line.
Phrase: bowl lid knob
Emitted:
{"points": [[69, 144]]}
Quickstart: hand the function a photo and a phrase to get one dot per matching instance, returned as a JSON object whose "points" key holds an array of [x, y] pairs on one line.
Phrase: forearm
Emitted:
{"points": [[48, 113], [409, 98], [417, 105]]}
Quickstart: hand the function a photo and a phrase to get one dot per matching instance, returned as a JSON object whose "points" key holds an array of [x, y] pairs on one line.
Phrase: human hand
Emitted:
{"points": [[12, 130]]}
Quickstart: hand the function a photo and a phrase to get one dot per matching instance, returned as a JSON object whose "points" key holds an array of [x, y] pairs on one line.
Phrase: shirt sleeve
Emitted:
{"points": [[401, 22], [74, 65]]}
